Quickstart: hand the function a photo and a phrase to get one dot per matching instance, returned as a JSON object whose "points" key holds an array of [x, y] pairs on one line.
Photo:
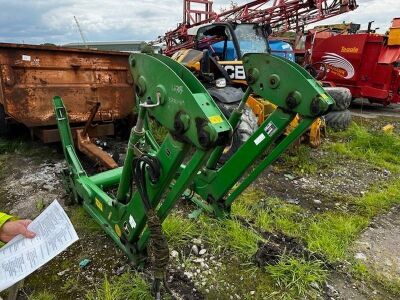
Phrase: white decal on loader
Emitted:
{"points": [[235, 72], [259, 139], [270, 129]]}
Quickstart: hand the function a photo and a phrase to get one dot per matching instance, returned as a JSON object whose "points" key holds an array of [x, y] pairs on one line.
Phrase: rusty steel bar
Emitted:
{"points": [[86, 146], [93, 113]]}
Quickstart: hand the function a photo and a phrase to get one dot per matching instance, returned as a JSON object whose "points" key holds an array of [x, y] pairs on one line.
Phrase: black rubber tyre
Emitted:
{"points": [[342, 97], [338, 120], [247, 126]]}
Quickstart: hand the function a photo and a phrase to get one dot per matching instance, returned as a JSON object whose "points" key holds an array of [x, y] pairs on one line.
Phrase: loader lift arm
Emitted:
{"points": [[172, 95], [293, 91], [182, 105]]}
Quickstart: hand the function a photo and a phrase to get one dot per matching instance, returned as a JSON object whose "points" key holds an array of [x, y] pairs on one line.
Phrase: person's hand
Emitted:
{"points": [[11, 229]]}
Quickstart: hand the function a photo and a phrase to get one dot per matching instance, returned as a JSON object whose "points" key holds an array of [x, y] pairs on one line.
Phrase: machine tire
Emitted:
{"points": [[247, 126], [3, 122], [338, 120], [342, 97]]}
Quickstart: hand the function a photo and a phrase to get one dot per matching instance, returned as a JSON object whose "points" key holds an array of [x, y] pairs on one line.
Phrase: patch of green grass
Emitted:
{"points": [[378, 148], [300, 161], [242, 240], [332, 233], [10, 146], [244, 205], [43, 296], [329, 233], [286, 218], [179, 230], [230, 236], [379, 199], [234, 278], [71, 285], [270, 214], [295, 276], [82, 220], [126, 286], [362, 272], [240, 209], [40, 204]]}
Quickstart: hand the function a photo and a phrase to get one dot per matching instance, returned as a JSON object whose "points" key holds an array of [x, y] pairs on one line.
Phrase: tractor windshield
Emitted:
{"points": [[251, 38], [220, 40]]}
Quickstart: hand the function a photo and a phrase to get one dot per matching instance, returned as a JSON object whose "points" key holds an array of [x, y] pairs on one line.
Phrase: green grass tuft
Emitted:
{"points": [[10, 146], [82, 220], [43, 296], [270, 214], [378, 148], [295, 276], [379, 199], [230, 236], [242, 240], [179, 230], [126, 286], [332, 233], [300, 161]]}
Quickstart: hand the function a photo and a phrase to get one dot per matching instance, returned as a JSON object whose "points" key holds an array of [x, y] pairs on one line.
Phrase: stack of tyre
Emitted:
{"points": [[339, 118]]}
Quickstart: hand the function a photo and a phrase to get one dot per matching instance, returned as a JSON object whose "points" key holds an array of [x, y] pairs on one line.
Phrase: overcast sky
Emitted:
{"points": [[52, 21]]}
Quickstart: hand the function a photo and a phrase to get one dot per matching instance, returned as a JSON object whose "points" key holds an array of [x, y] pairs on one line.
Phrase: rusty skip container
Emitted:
{"points": [[30, 76]]}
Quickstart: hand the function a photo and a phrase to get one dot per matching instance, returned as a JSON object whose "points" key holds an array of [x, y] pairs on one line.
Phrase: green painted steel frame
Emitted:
{"points": [[170, 93], [294, 91], [204, 127]]}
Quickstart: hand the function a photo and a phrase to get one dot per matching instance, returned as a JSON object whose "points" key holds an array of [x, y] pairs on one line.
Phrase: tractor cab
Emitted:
{"points": [[230, 41], [227, 42]]}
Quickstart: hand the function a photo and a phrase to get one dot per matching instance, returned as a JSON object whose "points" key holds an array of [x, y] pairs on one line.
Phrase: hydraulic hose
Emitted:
{"points": [[158, 245]]}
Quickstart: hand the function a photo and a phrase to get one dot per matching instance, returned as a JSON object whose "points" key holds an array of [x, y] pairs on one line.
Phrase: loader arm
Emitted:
{"points": [[293, 91], [197, 133], [168, 92]]}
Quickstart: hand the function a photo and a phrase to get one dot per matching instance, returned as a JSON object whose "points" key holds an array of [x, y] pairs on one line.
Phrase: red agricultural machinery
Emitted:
{"points": [[281, 15], [366, 63]]}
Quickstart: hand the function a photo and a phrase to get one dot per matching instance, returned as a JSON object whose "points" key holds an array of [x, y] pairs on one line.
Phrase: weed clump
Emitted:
{"points": [[179, 230], [43, 296], [379, 199], [295, 276], [331, 234], [378, 148], [82, 220], [127, 286], [230, 236]]}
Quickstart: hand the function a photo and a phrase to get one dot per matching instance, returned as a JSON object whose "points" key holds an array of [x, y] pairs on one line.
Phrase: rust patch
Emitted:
{"points": [[30, 76]]}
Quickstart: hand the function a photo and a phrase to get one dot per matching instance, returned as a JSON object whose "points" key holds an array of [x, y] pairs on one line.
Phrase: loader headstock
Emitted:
{"points": [[178, 101], [285, 84]]}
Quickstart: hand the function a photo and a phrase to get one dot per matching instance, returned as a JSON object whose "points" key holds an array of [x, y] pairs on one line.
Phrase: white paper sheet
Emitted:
{"points": [[21, 256]]}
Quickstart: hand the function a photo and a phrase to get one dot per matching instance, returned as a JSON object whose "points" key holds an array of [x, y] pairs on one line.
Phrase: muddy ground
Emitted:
{"points": [[31, 179]]}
